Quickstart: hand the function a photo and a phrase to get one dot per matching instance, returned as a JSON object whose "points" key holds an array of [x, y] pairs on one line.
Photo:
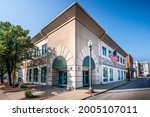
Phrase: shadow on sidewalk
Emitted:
{"points": [[50, 89]]}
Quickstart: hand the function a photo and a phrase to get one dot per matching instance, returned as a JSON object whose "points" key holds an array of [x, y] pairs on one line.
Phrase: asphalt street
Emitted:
{"points": [[135, 90]]}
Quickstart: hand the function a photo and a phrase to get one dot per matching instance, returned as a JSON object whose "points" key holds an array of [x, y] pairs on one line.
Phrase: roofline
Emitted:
{"points": [[57, 17], [125, 54], [89, 15], [73, 4]]}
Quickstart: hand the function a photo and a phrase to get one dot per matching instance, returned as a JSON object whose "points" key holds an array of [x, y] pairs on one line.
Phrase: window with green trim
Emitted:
{"points": [[30, 54], [104, 51], [30, 75], [44, 49], [109, 52], [111, 74], [43, 74], [105, 74], [123, 61], [35, 76], [124, 75], [27, 75], [118, 58], [121, 75], [118, 74], [36, 52]]}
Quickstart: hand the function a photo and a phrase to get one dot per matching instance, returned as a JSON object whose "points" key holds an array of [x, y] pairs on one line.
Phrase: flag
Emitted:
{"points": [[113, 57]]}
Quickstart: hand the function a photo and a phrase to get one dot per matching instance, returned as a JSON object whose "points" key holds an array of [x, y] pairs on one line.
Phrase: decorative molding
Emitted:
{"points": [[85, 52], [61, 50]]}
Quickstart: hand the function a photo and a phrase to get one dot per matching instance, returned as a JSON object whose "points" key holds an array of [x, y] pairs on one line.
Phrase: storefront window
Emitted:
{"points": [[124, 75], [121, 75], [27, 75], [30, 75], [105, 74], [111, 74], [43, 74], [118, 74], [35, 77]]}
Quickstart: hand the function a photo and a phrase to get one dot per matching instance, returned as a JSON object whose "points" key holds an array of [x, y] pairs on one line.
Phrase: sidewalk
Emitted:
{"points": [[63, 93], [82, 93]]}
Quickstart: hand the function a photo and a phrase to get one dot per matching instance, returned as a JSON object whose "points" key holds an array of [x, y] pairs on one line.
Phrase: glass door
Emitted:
{"points": [[85, 78], [62, 78]]}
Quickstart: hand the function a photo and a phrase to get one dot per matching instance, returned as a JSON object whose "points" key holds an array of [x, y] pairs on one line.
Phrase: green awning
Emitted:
{"points": [[86, 62], [59, 62]]}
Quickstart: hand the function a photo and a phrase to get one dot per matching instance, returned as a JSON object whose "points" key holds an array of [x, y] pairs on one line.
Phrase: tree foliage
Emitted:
{"points": [[14, 46]]}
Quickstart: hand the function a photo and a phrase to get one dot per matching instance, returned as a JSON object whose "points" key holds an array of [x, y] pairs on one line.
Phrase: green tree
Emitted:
{"points": [[2, 65], [15, 45]]}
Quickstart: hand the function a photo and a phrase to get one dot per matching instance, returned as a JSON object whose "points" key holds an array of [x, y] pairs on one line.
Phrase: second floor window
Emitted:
{"points": [[123, 61], [109, 53], [36, 52], [44, 49], [30, 55], [104, 50], [118, 58]]}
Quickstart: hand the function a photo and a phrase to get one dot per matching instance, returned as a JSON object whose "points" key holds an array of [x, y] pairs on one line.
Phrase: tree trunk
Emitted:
{"points": [[2, 81], [14, 77], [9, 76]]}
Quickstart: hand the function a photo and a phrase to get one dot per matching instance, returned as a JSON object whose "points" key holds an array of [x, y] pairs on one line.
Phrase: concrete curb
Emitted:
{"points": [[108, 89], [104, 91]]}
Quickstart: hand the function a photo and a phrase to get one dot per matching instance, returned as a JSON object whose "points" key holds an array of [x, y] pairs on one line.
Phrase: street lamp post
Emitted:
{"points": [[90, 67]]}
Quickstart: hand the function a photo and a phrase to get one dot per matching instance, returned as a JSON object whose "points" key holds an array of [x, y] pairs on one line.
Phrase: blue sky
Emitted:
{"points": [[126, 21]]}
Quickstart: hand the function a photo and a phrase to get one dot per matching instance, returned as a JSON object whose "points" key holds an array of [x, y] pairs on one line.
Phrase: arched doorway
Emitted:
{"points": [[60, 68], [85, 72]]}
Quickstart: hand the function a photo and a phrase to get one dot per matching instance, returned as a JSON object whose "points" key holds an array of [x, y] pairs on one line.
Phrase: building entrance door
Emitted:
{"points": [[62, 78], [85, 78]]}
